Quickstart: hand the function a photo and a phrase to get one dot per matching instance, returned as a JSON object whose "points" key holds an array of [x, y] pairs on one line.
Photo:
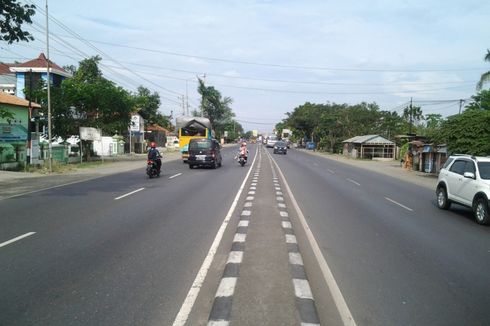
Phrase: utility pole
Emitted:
{"points": [[29, 146], [183, 104], [186, 111], [410, 112], [50, 148], [203, 98]]}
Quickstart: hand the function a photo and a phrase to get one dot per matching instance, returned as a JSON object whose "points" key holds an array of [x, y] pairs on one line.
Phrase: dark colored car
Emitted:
{"points": [[204, 152], [280, 147]]}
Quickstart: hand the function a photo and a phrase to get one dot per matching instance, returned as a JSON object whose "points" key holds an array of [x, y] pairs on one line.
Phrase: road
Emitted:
{"points": [[125, 250]]}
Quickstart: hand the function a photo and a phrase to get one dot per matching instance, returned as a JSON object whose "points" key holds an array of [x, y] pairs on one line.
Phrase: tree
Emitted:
{"points": [[412, 115], [468, 133], [485, 77], [12, 15], [480, 101]]}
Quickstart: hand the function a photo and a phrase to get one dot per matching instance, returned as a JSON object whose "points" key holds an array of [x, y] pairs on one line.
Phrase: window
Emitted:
{"points": [[470, 167], [484, 168], [458, 167]]}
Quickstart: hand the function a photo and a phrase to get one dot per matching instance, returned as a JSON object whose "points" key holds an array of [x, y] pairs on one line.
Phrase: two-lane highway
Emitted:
{"points": [[117, 250]]}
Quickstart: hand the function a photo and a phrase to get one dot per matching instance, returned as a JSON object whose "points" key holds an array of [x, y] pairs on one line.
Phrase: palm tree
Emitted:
{"points": [[486, 76]]}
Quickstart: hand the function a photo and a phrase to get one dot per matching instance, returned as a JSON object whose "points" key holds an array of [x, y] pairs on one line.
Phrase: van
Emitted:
{"points": [[204, 152]]}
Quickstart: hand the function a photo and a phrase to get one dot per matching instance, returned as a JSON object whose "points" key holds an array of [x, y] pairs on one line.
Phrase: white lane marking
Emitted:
{"points": [[226, 287], [280, 198], [286, 225], [291, 238], [250, 198], [295, 258], [243, 223], [251, 192], [337, 296], [240, 237], [129, 193], [397, 203], [281, 205], [302, 324], [175, 175], [227, 323], [28, 234], [254, 184], [235, 257], [195, 288], [246, 213], [248, 204], [302, 289], [283, 214], [278, 188], [253, 188], [279, 193], [354, 182], [331, 171]]}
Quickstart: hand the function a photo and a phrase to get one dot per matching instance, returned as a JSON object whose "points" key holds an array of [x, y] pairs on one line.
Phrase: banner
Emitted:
{"points": [[89, 133]]}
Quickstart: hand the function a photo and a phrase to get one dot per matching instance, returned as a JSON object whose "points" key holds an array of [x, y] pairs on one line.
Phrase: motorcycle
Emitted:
{"points": [[242, 159], [152, 169]]}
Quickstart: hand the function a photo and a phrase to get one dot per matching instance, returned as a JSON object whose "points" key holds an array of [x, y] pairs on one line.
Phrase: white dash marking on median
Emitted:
{"points": [[243, 223], [250, 198], [286, 225], [278, 188], [3, 244], [175, 175], [240, 237], [295, 258], [283, 214], [251, 192], [253, 188], [279, 193], [254, 184], [302, 289], [129, 193], [227, 323], [226, 287], [248, 204], [354, 182], [281, 205], [235, 257], [290, 238], [246, 213], [397, 203], [280, 198]]}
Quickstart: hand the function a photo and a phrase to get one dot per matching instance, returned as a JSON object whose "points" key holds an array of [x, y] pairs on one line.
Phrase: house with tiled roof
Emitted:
{"points": [[37, 70], [369, 147], [7, 79]]}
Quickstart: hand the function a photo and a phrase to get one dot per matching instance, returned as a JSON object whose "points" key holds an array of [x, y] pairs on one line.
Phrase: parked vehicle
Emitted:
{"points": [[152, 169], [465, 180], [280, 148], [204, 152]]}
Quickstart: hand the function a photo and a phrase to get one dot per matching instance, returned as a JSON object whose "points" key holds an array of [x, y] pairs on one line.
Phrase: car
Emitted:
{"points": [[465, 180], [270, 142], [204, 152], [280, 147]]}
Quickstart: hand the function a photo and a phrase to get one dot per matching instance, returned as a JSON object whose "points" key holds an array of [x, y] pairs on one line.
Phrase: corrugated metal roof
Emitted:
{"points": [[369, 139]]}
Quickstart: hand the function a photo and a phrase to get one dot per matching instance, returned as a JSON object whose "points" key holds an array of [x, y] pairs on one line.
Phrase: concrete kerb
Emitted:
{"points": [[390, 168]]}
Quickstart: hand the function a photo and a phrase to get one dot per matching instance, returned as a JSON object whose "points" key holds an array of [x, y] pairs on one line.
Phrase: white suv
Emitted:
{"points": [[465, 180]]}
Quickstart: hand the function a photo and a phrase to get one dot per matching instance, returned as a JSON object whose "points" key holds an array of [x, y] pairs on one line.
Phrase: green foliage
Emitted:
{"points": [[485, 77], [468, 133], [12, 15], [216, 108], [480, 101], [7, 115], [329, 124]]}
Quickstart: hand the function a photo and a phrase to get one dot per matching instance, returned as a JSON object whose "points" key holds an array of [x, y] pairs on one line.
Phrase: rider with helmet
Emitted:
{"points": [[154, 155], [243, 151]]}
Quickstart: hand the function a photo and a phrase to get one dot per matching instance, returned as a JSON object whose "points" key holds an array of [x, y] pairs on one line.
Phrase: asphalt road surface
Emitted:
{"points": [[125, 250]]}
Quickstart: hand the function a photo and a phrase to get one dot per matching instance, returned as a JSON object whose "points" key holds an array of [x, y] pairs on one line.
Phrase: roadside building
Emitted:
{"points": [[7, 79], [35, 70], [369, 147], [157, 134], [14, 131]]}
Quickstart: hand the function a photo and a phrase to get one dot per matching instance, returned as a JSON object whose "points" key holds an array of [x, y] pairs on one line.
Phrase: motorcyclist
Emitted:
{"points": [[154, 155], [243, 151]]}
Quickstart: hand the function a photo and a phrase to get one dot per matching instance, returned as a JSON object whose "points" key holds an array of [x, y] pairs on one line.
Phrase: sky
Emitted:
{"points": [[270, 56]]}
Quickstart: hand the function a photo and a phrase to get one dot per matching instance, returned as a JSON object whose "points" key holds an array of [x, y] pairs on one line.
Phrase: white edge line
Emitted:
{"points": [[174, 176], [397, 203], [16, 239], [354, 182], [331, 171], [129, 193], [337, 296], [189, 301]]}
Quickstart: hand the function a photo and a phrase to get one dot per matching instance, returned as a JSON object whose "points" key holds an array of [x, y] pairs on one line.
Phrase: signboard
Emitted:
{"points": [[89, 133], [135, 123], [226, 133]]}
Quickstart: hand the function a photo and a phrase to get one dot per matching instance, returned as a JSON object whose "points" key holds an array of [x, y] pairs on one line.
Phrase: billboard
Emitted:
{"points": [[89, 133]]}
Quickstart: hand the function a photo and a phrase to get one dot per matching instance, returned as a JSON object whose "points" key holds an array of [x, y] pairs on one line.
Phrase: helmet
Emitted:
{"points": [[244, 144], [153, 144]]}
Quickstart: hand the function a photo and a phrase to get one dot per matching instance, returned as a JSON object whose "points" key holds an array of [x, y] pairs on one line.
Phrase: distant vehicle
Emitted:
{"points": [[271, 140], [310, 145], [192, 128], [204, 152], [280, 147], [465, 180]]}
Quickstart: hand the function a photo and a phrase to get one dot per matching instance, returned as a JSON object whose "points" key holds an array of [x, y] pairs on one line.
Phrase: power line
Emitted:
{"points": [[272, 65]]}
